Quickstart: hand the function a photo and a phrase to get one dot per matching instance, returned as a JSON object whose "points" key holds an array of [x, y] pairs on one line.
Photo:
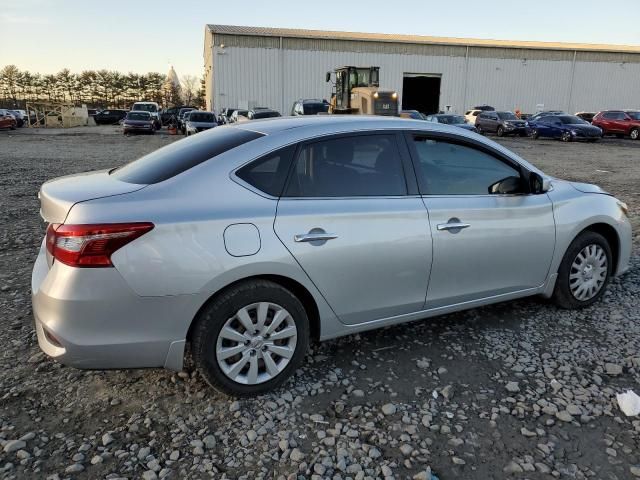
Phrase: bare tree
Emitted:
{"points": [[190, 87]]}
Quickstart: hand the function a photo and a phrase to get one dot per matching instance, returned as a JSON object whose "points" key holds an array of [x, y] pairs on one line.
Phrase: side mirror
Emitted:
{"points": [[327, 77], [538, 183], [506, 186]]}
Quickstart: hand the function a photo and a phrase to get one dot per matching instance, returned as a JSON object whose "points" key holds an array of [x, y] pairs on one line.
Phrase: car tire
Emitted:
{"points": [[231, 311], [634, 134], [535, 134], [566, 291], [479, 129], [500, 131], [566, 137]]}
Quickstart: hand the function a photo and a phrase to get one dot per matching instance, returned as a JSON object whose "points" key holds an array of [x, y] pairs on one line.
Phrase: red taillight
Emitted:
{"points": [[91, 245]]}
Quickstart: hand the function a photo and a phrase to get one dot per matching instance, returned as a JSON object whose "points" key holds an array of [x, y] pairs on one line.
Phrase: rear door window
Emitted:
{"points": [[352, 166], [178, 157]]}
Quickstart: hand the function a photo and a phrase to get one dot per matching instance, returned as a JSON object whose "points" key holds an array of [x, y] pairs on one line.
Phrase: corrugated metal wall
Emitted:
{"points": [[266, 75]]}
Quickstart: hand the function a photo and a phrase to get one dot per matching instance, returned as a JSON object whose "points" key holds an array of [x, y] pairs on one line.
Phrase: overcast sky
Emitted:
{"points": [[142, 36]]}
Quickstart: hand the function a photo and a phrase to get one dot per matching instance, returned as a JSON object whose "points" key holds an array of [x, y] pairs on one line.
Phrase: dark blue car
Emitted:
{"points": [[567, 128]]}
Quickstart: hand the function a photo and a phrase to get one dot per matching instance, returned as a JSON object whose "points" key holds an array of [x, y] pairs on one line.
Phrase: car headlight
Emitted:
{"points": [[376, 94], [624, 207], [394, 95]]}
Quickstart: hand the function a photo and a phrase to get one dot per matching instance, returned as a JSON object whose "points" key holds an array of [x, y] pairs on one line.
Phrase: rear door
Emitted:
{"points": [[357, 227], [483, 244]]}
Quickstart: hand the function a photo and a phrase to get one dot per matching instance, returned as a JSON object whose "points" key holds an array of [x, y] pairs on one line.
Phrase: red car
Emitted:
{"points": [[7, 120], [621, 123]]}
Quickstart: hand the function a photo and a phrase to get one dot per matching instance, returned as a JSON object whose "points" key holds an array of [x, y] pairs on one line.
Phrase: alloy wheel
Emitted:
{"points": [[635, 133], [588, 272], [257, 343]]}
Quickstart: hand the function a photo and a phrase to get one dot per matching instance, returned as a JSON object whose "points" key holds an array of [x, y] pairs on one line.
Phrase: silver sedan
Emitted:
{"points": [[247, 242]]}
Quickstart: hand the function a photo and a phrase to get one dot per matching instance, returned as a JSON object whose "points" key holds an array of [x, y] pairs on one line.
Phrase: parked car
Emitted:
{"points": [[153, 108], [109, 117], [20, 116], [186, 245], [309, 106], [471, 116], [545, 113], [92, 112], [414, 114], [500, 123], [568, 128], [451, 119], [586, 116], [171, 113], [7, 120], [620, 123], [260, 113], [225, 115], [484, 108], [181, 113], [198, 121], [239, 116], [139, 122]]}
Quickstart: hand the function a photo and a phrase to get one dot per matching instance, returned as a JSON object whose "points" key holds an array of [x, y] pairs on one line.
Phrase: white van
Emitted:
{"points": [[153, 108]]}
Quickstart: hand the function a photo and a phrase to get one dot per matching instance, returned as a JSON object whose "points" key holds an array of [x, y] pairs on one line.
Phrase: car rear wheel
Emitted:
{"points": [[251, 338], [500, 132], [634, 134], [584, 272], [535, 134], [479, 129]]}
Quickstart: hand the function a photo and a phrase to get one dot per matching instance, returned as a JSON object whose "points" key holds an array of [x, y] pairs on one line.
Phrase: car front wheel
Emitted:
{"points": [[500, 131], [634, 134], [250, 338], [584, 272]]}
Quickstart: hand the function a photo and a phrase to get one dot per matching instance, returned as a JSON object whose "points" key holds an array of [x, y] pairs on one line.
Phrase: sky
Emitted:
{"points": [[148, 35]]}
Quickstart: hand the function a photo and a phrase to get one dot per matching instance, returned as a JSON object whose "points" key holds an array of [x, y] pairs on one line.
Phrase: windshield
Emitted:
{"points": [[507, 116], [138, 116], [569, 120], [634, 115], [363, 77], [184, 110], [201, 117], [145, 107], [315, 108], [451, 119], [265, 114]]}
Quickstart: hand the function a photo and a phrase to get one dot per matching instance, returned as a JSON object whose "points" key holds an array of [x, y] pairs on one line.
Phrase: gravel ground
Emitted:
{"points": [[519, 389]]}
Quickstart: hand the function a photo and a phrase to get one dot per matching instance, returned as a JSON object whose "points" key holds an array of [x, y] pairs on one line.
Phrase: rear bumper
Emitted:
{"points": [[90, 318]]}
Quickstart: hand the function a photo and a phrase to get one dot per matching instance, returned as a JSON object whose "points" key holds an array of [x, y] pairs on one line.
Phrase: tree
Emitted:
{"points": [[189, 85], [10, 78]]}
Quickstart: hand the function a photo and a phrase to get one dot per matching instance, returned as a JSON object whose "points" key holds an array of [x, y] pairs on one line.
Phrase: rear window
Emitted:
{"points": [[315, 108], [138, 116], [144, 107], [201, 117], [257, 115], [179, 157]]}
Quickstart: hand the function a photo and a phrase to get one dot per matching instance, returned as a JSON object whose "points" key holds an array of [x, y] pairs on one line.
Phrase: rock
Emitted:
{"points": [[14, 445], [389, 409], [75, 468], [174, 455], [149, 475], [527, 433], [296, 455], [512, 387], [107, 439], [209, 442], [447, 392], [635, 470], [564, 416], [22, 454], [512, 467], [406, 449], [458, 461], [612, 369], [358, 393], [96, 459], [374, 453], [574, 410], [28, 436], [235, 406], [251, 435]]}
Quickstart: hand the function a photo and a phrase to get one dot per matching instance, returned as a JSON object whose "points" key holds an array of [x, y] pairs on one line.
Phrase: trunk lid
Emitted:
{"points": [[59, 195]]}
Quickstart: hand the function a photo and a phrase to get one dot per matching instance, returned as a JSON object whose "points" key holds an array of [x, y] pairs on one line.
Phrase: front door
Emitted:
{"points": [[483, 244], [348, 221]]}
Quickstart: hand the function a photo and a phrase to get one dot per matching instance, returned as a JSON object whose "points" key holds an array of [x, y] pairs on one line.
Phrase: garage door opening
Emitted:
{"points": [[421, 91]]}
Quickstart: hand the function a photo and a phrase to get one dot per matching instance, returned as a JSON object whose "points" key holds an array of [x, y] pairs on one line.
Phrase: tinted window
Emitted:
{"points": [[446, 168], [144, 107], [263, 114], [201, 117], [614, 115], [507, 116], [315, 108], [178, 157], [364, 165], [569, 120], [549, 120], [269, 173], [138, 116], [634, 115]]}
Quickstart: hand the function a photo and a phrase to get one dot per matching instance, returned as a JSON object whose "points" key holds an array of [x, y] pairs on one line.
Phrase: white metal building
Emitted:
{"points": [[255, 66]]}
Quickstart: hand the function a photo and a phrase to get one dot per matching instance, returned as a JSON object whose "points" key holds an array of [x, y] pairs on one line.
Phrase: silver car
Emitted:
{"points": [[247, 242]]}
